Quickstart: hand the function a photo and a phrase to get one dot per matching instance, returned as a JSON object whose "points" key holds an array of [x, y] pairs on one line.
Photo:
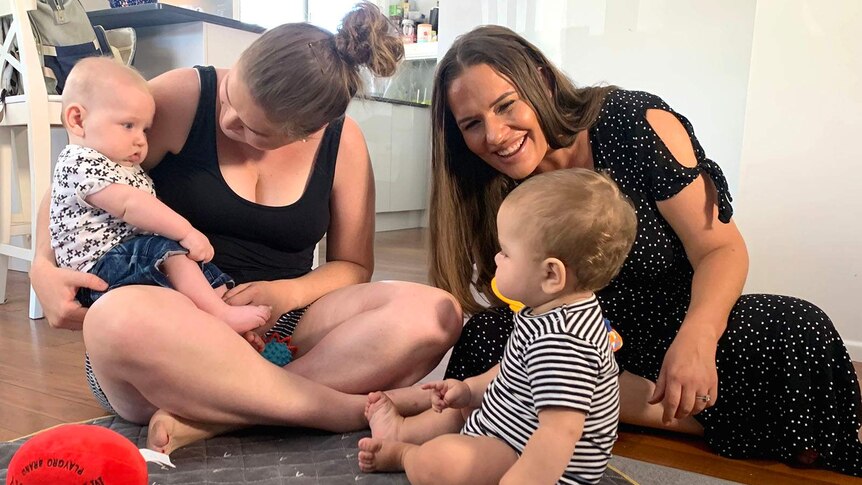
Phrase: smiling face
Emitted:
{"points": [[116, 123], [243, 120], [497, 124]]}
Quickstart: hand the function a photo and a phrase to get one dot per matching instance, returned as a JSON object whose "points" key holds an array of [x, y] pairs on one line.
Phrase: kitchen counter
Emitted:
{"points": [[395, 101], [153, 14], [171, 37]]}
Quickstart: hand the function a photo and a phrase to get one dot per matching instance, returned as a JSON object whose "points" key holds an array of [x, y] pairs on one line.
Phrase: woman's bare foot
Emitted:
{"points": [[255, 340], [383, 417], [376, 455], [167, 433]]}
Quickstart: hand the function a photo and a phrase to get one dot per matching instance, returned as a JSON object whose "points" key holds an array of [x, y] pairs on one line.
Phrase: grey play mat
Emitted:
{"points": [[260, 456]]}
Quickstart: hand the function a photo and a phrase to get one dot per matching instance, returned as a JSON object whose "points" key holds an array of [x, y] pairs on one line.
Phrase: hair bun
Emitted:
{"points": [[353, 49], [367, 38]]}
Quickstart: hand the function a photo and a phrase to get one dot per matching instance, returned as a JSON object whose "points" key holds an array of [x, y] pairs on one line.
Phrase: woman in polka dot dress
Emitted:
{"points": [[759, 376]]}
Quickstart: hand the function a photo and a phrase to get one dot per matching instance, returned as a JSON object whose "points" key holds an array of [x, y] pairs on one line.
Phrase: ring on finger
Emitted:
{"points": [[705, 398]]}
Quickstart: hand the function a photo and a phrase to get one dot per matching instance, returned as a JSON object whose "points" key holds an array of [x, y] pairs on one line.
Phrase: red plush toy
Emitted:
{"points": [[79, 454]]}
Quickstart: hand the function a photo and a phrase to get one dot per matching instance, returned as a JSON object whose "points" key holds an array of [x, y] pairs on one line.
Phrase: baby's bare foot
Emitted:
{"points": [[167, 433], [244, 318], [383, 417], [376, 455]]}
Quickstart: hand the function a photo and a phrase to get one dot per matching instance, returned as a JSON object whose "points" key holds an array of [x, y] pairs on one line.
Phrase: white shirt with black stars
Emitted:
{"points": [[80, 232]]}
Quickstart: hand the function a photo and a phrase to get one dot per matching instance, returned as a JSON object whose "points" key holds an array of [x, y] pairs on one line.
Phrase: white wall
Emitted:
{"points": [[800, 205], [423, 6], [694, 54]]}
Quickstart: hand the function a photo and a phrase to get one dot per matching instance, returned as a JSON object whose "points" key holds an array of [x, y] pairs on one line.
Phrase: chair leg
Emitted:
{"points": [[4, 274], [35, 312], [5, 205], [39, 151]]}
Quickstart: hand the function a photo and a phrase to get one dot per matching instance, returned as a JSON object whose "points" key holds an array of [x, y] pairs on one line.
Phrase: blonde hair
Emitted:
{"points": [[465, 191], [580, 217], [93, 78], [304, 76]]}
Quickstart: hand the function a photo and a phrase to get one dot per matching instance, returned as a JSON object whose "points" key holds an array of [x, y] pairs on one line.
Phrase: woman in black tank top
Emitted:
{"points": [[261, 159]]}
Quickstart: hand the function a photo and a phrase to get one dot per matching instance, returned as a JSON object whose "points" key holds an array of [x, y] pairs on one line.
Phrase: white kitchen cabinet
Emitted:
{"points": [[410, 164], [170, 37], [189, 44], [398, 138], [375, 120]]}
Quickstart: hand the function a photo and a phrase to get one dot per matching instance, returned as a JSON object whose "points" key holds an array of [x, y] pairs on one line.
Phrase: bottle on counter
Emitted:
{"points": [[408, 31], [423, 33]]}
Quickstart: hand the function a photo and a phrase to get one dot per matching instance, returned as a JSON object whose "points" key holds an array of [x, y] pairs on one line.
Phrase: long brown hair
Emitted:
{"points": [[466, 192], [304, 76]]}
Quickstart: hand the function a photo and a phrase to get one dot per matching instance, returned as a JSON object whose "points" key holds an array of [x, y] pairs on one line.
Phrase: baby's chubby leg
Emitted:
{"points": [[447, 459], [186, 276]]}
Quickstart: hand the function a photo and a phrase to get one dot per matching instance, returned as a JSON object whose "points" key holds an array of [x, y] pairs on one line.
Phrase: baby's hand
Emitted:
{"points": [[450, 393], [198, 245]]}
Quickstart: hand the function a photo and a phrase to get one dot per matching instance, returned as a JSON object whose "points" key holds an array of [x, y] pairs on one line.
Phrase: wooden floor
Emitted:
{"points": [[42, 381]]}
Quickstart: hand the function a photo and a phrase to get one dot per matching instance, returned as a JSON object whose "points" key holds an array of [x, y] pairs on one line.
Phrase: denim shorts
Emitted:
{"points": [[138, 261]]}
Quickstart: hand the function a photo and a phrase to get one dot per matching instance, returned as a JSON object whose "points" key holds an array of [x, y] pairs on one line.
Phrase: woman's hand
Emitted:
{"points": [[687, 374], [450, 393], [56, 289], [279, 295]]}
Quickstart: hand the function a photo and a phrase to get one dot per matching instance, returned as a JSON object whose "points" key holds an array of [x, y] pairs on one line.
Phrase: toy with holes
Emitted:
{"points": [[278, 350], [615, 339]]}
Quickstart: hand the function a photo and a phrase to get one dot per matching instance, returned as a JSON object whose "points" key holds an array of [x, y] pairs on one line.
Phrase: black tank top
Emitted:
{"points": [[252, 242]]}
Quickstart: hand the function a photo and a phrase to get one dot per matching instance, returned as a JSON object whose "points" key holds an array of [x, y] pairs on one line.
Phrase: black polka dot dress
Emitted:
{"points": [[786, 381]]}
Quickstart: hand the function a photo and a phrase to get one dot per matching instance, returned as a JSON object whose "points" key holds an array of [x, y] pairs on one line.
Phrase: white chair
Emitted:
{"points": [[28, 165]]}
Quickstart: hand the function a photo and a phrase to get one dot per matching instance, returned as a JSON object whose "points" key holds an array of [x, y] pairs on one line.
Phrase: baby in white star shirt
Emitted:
{"points": [[105, 218]]}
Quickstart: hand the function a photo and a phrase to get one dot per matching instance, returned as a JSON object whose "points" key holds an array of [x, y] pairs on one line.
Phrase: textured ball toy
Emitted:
{"points": [[77, 454], [278, 350]]}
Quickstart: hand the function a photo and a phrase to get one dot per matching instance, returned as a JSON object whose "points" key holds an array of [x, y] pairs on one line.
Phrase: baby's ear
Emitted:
{"points": [[554, 278], [73, 118]]}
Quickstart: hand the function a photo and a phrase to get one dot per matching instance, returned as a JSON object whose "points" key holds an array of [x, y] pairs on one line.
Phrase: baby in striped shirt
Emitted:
{"points": [[548, 412]]}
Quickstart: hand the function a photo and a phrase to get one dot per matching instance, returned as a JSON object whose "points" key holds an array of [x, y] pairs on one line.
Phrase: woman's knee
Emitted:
{"points": [[789, 315], [125, 319], [439, 310], [449, 316]]}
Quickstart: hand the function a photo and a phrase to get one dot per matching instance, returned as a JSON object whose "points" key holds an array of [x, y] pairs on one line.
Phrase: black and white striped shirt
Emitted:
{"points": [[559, 358]]}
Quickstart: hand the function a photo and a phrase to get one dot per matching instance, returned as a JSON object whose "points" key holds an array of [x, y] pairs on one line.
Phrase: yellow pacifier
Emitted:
{"points": [[516, 306]]}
